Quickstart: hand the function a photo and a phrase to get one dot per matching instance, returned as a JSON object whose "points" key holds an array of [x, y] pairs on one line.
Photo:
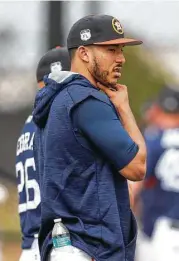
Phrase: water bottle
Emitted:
{"points": [[61, 237], [35, 248]]}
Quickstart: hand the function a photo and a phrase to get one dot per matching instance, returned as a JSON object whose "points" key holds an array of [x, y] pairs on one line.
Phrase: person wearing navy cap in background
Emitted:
{"points": [[56, 59], [160, 189]]}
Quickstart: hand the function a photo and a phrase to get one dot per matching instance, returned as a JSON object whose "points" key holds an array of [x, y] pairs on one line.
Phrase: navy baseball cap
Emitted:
{"points": [[98, 30], [168, 99], [56, 57]]}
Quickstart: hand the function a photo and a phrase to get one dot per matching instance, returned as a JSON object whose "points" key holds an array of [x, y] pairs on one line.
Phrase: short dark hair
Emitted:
{"points": [[72, 53]]}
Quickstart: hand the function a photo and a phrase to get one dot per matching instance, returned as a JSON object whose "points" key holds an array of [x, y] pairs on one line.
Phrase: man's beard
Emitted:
{"points": [[101, 76]]}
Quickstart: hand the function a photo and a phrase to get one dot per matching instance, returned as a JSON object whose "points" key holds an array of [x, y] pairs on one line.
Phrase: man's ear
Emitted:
{"points": [[83, 53]]}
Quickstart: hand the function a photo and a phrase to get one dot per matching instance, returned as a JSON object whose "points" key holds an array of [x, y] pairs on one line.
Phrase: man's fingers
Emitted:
{"points": [[120, 86]]}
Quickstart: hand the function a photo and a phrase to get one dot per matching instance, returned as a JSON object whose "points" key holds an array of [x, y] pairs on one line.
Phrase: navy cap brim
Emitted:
{"points": [[120, 41]]}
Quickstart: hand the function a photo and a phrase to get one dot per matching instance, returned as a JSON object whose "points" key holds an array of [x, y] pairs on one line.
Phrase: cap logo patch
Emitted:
{"points": [[117, 26], [56, 67], [85, 34]]}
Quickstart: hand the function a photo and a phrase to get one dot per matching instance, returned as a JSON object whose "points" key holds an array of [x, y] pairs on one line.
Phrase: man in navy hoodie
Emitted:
{"points": [[89, 146]]}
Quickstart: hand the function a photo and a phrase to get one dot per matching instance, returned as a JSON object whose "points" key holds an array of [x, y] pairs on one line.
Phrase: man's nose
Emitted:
{"points": [[120, 58]]}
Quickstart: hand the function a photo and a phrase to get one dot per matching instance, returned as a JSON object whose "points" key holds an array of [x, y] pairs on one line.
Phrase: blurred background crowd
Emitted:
{"points": [[29, 29]]}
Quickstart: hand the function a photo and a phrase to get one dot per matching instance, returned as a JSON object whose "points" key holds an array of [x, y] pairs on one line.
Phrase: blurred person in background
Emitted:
{"points": [[160, 189], [56, 59], [90, 152], [148, 112]]}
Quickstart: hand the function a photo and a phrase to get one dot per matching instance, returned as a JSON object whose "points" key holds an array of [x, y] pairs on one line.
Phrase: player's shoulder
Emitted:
{"points": [[25, 140], [29, 125], [152, 133], [89, 91], [78, 90], [29, 119], [153, 136], [170, 138]]}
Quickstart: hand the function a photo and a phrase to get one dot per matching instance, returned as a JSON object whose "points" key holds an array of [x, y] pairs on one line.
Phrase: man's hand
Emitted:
{"points": [[136, 169], [131, 195], [118, 96], [135, 189]]}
